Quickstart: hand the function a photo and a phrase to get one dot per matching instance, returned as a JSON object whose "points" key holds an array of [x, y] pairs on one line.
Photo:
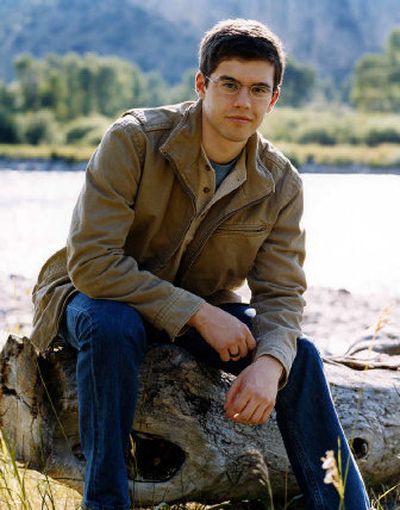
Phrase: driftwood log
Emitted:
{"points": [[185, 449]]}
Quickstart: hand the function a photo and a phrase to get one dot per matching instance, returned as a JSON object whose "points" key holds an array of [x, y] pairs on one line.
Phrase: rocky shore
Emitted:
{"points": [[334, 318]]}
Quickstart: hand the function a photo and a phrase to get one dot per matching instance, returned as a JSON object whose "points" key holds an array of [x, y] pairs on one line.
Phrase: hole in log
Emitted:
{"points": [[78, 453], [153, 459], [359, 447]]}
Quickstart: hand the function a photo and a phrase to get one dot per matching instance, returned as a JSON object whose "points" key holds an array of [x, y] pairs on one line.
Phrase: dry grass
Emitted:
{"points": [[381, 156], [24, 489], [336, 136], [68, 153]]}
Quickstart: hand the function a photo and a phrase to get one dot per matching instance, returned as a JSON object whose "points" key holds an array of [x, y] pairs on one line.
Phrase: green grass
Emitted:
{"points": [[68, 153], [335, 137], [333, 126], [382, 156]]}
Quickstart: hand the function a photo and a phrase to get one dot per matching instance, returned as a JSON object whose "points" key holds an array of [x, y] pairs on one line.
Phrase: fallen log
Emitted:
{"points": [[184, 448]]}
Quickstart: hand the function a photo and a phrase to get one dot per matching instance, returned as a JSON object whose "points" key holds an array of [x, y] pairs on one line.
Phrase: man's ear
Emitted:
{"points": [[274, 99], [200, 84]]}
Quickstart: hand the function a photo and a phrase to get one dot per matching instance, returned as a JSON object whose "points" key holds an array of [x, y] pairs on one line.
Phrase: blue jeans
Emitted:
{"points": [[111, 339]]}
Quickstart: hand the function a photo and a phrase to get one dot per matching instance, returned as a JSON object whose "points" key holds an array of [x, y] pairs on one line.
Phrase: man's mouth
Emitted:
{"points": [[239, 119]]}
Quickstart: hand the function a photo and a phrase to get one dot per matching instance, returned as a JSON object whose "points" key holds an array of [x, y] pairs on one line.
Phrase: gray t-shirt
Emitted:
{"points": [[221, 171]]}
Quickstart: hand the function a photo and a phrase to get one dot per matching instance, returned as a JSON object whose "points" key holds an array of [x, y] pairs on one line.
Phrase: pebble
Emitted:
{"points": [[333, 318]]}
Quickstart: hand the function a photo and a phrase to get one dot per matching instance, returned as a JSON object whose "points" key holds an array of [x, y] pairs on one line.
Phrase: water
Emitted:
{"points": [[353, 239]]}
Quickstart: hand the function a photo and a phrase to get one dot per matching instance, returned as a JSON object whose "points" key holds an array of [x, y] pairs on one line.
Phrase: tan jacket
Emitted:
{"points": [[142, 194]]}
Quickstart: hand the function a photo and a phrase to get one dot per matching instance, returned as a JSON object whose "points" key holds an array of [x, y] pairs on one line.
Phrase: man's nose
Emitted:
{"points": [[243, 97]]}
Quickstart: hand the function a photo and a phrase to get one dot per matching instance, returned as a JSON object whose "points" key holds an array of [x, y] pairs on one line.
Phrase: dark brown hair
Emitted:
{"points": [[244, 39]]}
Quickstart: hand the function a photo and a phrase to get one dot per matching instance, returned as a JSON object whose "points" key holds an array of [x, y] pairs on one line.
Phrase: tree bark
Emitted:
{"points": [[184, 448]]}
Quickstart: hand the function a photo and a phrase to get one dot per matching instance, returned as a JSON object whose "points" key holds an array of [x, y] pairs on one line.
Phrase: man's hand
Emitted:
{"points": [[252, 395], [225, 333]]}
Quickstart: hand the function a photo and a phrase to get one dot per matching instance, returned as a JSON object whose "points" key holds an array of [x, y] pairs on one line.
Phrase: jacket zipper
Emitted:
{"points": [[192, 254], [187, 189]]}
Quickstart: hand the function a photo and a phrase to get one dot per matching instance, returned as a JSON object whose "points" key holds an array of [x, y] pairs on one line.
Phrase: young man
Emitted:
{"points": [[180, 205]]}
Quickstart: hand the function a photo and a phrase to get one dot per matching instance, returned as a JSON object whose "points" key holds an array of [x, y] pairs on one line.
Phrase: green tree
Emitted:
{"points": [[71, 64], [393, 47], [298, 85], [29, 72], [8, 127], [72, 86], [376, 81], [54, 93], [8, 98], [157, 90], [107, 81], [39, 127], [87, 86], [185, 90]]}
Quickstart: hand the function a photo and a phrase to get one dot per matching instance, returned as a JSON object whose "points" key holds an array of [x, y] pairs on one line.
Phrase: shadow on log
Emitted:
{"points": [[184, 448]]}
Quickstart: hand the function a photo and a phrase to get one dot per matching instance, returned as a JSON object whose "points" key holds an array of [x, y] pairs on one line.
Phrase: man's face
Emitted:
{"points": [[235, 117]]}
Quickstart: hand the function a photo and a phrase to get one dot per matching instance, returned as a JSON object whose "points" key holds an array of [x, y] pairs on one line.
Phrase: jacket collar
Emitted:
{"points": [[183, 146]]}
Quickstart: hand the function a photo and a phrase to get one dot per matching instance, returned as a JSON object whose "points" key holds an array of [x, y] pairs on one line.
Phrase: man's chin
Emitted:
{"points": [[238, 138]]}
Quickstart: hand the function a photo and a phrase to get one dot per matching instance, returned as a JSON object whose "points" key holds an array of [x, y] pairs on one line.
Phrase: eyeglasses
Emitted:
{"points": [[231, 87]]}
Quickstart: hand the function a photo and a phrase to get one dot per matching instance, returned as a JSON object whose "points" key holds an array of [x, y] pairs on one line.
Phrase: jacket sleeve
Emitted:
{"points": [[102, 219], [277, 282]]}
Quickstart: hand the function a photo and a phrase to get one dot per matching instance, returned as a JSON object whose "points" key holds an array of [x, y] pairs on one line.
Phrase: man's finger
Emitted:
{"points": [[224, 355], [237, 405], [257, 415], [265, 415], [242, 349], [251, 343], [230, 396], [244, 416]]}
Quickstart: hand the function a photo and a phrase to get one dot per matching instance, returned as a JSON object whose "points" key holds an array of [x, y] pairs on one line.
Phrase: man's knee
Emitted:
{"points": [[114, 324], [307, 348], [308, 359], [306, 377], [242, 311]]}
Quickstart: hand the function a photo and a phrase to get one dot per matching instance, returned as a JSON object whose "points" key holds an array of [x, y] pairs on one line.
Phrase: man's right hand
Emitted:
{"points": [[224, 332]]}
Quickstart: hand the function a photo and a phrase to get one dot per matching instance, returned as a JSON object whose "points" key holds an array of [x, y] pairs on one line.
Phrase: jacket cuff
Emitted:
{"points": [[272, 347], [177, 311]]}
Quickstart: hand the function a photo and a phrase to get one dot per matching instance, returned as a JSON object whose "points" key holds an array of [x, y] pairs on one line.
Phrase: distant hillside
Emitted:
{"points": [[107, 27], [329, 35], [164, 34]]}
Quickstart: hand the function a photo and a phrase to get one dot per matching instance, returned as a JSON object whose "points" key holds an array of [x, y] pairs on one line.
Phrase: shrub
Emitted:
{"points": [[319, 135], [39, 127], [86, 130], [375, 136], [8, 128]]}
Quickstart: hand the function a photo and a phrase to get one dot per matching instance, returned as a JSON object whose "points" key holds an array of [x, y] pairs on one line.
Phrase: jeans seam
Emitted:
{"points": [[96, 401], [310, 473], [104, 507], [86, 325]]}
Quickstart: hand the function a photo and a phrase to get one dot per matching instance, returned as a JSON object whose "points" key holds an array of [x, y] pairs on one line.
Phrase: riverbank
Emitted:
{"points": [[334, 318], [384, 158]]}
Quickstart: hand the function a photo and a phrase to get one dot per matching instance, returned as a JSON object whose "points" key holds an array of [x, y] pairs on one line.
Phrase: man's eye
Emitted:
{"points": [[230, 86], [259, 91]]}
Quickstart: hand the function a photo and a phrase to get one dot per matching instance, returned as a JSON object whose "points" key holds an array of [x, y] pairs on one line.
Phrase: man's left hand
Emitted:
{"points": [[252, 395]]}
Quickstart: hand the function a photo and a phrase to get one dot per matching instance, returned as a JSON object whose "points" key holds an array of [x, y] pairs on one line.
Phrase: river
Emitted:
{"points": [[351, 220]]}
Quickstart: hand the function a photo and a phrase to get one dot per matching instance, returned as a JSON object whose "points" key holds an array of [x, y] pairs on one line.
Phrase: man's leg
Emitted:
{"points": [[110, 339], [310, 426], [306, 418]]}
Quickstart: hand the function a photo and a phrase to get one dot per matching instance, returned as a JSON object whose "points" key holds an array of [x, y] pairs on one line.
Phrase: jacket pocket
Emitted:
{"points": [[226, 258], [246, 229]]}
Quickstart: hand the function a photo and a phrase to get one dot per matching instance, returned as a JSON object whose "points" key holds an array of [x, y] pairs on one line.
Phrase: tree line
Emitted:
{"points": [[58, 89], [376, 84], [63, 98]]}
